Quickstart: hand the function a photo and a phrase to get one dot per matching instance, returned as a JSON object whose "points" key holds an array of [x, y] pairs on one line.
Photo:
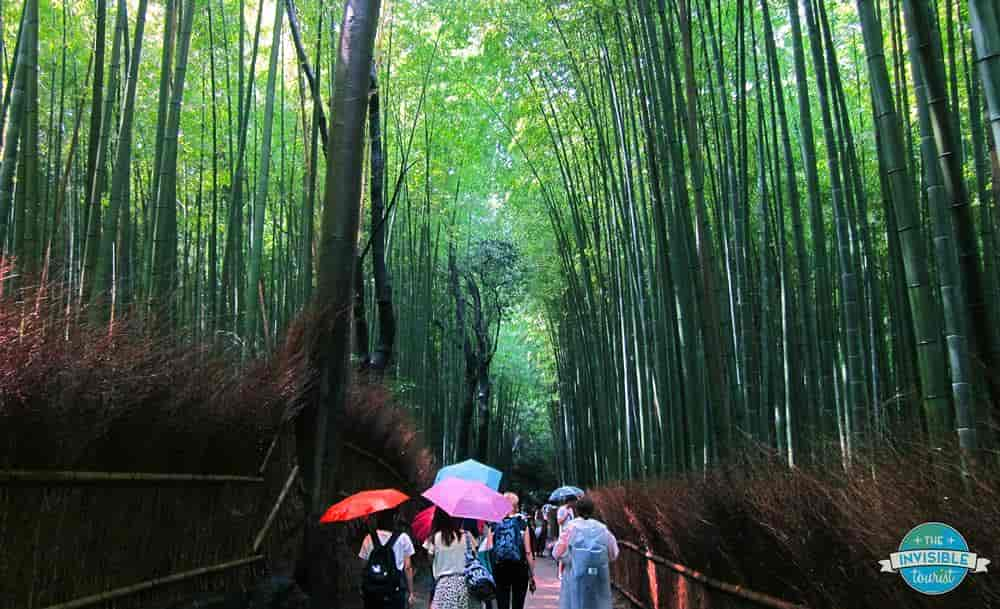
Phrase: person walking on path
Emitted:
{"points": [[446, 545], [388, 578], [564, 515], [541, 530], [587, 547], [513, 561], [552, 528]]}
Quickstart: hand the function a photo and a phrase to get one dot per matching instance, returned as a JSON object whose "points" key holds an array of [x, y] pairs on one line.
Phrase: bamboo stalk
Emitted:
{"points": [[152, 583], [270, 450], [275, 509], [70, 477], [760, 598]]}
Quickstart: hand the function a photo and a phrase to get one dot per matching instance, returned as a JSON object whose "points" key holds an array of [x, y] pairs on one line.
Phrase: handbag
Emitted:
{"points": [[477, 579]]}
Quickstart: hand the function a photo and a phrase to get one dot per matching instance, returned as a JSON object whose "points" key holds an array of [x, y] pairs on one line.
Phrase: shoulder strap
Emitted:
{"points": [[393, 538], [376, 539]]}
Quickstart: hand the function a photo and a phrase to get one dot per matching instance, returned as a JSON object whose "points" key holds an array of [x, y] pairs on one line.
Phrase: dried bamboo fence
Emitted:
{"points": [[652, 582], [125, 540]]}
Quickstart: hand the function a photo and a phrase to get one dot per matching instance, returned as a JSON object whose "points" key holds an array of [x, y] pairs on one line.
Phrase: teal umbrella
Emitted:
{"points": [[473, 471]]}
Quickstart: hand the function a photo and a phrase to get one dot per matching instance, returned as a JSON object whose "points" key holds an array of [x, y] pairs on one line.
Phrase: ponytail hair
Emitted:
{"points": [[585, 507]]}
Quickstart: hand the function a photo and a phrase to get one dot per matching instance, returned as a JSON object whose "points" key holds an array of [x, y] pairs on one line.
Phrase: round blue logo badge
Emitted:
{"points": [[939, 554]]}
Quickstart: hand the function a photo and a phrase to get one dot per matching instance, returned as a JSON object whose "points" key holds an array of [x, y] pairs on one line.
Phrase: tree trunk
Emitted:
{"points": [[14, 127], [821, 286], [93, 204], [28, 199], [949, 282], [984, 19], [382, 357], [319, 424], [923, 306], [483, 389], [361, 336], [100, 296], [253, 307], [232, 262], [304, 62], [162, 115], [165, 241], [213, 233], [719, 397], [926, 58], [462, 444]]}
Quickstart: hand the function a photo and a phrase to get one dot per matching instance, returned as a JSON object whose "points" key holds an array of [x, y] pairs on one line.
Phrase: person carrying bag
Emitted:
{"points": [[512, 558], [459, 578], [587, 547], [388, 574]]}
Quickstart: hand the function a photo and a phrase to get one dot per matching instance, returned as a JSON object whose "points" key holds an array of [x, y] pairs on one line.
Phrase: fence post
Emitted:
{"points": [[654, 584], [259, 539]]}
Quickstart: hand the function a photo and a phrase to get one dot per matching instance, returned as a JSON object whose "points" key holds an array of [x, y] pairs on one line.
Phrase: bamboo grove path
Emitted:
{"points": [[545, 597], [547, 594]]}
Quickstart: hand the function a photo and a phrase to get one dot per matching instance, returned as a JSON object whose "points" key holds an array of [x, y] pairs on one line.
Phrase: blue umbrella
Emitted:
{"points": [[561, 493], [471, 470]]}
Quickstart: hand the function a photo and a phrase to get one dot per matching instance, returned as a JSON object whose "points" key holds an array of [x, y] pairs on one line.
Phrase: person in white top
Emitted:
{"points": [[564, 515], [402, 549], [587, 547], [446, 545]]}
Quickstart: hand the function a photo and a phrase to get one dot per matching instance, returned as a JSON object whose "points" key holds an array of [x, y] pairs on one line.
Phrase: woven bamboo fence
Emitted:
{"points": [[125, 540]]}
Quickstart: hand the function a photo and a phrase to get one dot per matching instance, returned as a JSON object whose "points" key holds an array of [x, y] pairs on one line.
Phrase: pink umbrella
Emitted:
{"points": [[467, 499], [422, 524]]}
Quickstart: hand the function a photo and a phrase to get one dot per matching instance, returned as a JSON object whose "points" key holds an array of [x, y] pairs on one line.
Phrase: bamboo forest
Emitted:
{"points": [[732, 266]]}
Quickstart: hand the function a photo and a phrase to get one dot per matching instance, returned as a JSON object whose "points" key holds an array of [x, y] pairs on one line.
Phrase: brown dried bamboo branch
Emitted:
{"points": [[364, 453], [70, 477]]}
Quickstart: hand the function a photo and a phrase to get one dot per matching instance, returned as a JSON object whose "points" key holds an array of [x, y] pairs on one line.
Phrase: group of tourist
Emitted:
{"points": [[583, 550]]}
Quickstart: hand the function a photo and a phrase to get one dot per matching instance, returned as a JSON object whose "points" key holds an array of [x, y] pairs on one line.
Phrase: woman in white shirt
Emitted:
{"points": [[402, 549], [446, 545]]}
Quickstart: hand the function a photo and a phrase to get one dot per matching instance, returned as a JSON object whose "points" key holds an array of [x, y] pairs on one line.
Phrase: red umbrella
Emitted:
{"points": [[363, 504], [422, 524]]}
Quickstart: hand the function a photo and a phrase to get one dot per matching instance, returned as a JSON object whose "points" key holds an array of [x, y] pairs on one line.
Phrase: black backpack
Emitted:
{"points": [[382, 579]]}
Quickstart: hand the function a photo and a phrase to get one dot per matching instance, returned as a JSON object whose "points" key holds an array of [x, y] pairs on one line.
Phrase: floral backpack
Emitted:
{"points": [[477, 579]]}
